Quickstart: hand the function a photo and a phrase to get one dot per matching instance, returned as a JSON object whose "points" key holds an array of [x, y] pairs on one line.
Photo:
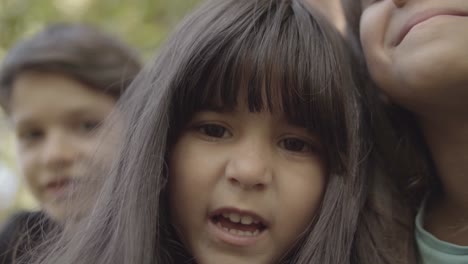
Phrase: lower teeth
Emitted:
{"points": [[239, 232]]}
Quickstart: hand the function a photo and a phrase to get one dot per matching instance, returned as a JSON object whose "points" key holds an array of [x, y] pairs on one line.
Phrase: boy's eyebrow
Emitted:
{"points": [[22, 123], [80, 112], [21, 120], [27, 120]]}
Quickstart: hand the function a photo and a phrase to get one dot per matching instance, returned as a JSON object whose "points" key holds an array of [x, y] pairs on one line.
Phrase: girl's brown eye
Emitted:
{"points": [[213, 130], [296, 145]]}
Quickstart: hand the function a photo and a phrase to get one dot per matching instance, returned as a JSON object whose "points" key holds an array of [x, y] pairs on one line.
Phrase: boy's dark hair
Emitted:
{"points": [[81, 52]]}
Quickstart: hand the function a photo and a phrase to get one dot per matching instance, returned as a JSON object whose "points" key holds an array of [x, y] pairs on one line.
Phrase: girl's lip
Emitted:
{"points": [[228, 210], [232, 239], [423, 16]]}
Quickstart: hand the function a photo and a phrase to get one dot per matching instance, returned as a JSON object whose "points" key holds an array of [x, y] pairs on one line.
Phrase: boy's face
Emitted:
{"points": [[55, 119], [417, 51]]}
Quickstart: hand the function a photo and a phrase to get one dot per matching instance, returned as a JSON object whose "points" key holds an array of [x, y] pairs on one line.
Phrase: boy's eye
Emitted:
{"points": [[296, 145], [213, 130], [31, 135], [88, 126]]}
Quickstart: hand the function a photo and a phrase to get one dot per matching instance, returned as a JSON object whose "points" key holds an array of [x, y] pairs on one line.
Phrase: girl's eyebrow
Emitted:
{"points": [[291, 121], [219, 109]]}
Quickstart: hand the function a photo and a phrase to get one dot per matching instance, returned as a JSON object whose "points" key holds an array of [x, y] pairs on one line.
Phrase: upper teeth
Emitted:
{"points": [[237, 218]]}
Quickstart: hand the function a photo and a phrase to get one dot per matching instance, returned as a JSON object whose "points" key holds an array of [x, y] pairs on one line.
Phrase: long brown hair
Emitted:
{"points": [[411, 174], [408, 150], [278, 47]]}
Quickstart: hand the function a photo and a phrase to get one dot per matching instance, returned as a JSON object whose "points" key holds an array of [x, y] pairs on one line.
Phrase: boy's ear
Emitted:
{"points": [[5, 109], [5, 118], [4, 101]]}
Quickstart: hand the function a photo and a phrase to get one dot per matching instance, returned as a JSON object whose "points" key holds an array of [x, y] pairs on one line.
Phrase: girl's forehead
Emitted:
{"points": [[251, 99], [272, 107]]}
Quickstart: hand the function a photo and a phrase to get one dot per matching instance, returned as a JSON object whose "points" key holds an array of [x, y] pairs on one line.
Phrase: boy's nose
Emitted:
{"points": [[250, 168], [57, 151]]}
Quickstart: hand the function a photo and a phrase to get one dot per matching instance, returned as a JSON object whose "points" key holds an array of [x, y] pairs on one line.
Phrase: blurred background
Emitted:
{"points": [[144, 24]]}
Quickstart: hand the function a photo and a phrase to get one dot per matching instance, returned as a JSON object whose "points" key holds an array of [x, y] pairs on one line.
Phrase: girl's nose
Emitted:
{"points": [[250, 168], [399, 3]]}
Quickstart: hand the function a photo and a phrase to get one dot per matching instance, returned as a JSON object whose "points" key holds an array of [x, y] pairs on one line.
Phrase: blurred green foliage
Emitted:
{"points": [[144, 24]]}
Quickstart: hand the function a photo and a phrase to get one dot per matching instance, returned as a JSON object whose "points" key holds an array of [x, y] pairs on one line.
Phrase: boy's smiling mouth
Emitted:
{"points": [[59, 187], [237, 227]]}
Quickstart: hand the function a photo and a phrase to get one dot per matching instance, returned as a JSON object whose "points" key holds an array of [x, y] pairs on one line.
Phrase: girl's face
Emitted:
{"points": [[244, 186], [417, 51]]}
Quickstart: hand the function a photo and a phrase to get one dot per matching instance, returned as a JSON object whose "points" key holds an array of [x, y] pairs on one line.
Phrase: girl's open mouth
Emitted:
{"points": [[239, 225], [236, 227]]}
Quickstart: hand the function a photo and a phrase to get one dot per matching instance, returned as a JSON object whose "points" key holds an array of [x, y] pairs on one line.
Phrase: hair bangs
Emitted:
{"points": [[279, 60]]}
